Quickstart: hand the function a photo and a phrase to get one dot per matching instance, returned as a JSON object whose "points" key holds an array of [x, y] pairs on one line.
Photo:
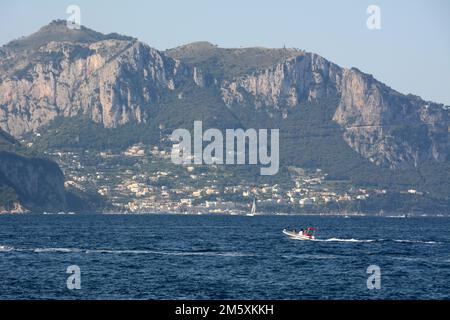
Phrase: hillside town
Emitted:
{"points": [[142, 179]]}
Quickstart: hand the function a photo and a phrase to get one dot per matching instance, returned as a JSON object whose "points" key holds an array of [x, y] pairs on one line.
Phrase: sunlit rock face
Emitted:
{"points": [[115, 80], [382, 125]]}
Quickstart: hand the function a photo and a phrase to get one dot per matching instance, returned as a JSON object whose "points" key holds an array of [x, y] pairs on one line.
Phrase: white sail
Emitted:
{"points": [[253, 206], [253, 210]]}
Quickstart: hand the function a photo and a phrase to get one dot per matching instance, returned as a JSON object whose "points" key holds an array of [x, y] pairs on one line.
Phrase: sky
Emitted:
{"points": [[410, 52]]}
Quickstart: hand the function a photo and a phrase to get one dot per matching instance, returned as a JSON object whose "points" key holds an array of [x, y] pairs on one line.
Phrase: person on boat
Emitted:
{"points": [[310, 232]]}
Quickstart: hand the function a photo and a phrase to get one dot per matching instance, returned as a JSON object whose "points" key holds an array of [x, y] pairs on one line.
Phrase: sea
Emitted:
{"points": [[157, 256]]}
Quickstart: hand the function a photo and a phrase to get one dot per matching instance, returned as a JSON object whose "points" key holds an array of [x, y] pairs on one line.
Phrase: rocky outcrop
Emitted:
{"points": [[38, 183], [115, 80], [382, 125], [15, 208], [387, 127], [28, 183], [286, 84], [112, 80]]}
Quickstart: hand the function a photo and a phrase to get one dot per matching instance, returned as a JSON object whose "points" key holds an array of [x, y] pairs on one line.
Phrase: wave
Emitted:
{"points": [[344, 240], [408, 259], [311, 256], [6, 248], [417, 241], [112, 251], [377, 240], [170, 253], [63, 250]]}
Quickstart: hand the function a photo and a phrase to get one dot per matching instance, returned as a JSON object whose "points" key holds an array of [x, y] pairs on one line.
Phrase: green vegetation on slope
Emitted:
{"points": [[309, 139], [224, 63]]}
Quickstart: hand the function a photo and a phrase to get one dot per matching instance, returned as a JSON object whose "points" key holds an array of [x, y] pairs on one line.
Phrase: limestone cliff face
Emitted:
{"points": [[382, 125], [28, 183], [116, 80], [38, 183], [305, 77], [387, 127], [113, 81]]}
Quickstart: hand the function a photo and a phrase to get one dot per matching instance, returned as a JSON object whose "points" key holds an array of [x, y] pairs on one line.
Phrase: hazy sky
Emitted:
{"points": [[410, 53]]}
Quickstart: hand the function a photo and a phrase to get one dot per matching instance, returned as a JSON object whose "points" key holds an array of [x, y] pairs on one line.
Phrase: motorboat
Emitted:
{"points": [[304, 234]]}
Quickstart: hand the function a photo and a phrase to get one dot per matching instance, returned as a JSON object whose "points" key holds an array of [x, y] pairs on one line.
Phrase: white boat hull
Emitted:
{"points": [[297, 236]]}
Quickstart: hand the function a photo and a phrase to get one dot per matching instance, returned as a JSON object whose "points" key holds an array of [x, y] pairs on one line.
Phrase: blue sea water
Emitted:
{"points": [[222, 257]]}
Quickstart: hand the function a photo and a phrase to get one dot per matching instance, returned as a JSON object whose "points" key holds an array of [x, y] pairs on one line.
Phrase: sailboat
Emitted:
{"points": [[253, 210]]}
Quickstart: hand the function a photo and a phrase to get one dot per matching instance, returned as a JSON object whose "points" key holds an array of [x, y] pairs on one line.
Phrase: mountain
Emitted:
{"points": [[28, 183], [112, 79], [223, 63], [382, 125], [7, 142], [83, 89]]}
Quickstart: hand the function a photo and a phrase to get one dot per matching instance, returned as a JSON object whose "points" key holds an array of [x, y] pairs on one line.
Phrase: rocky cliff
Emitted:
{"points": [[382, 125], [113, 80], [28, 183], [38, 183], [116, 80]]}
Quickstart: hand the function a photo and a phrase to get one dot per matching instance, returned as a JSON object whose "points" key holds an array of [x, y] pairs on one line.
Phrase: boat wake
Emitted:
{"points": [[417, 241], [125, 251], [6, 248], [63, 250], [377, 240], [170, 253], [344, 240]]}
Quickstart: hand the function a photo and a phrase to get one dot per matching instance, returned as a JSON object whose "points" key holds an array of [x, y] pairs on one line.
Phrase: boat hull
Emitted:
{"points": [[295, 236]]}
